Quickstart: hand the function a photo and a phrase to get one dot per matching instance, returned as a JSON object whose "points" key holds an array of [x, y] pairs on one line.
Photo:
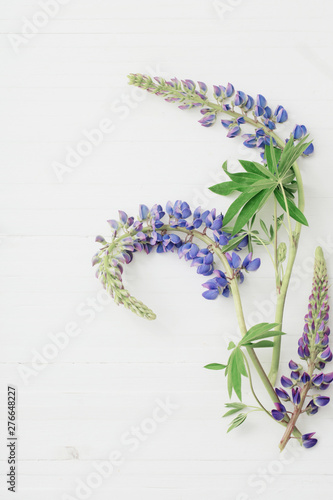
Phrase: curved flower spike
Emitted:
{"points": [[151, 231]]}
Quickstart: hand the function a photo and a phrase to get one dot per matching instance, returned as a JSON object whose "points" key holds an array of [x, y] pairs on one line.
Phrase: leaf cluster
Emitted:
{"points": [[236, 366], [258, 182]]}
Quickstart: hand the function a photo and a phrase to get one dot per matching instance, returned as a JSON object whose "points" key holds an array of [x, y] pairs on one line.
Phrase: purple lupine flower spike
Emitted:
{"points": [[151, 230], [186, 96], [313, 348]]}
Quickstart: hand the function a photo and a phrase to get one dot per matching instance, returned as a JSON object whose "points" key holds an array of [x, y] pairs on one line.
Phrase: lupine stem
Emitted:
{"points": [[281, 291]]}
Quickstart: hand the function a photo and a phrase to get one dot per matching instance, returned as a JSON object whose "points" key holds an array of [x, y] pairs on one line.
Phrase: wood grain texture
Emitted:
{"points": [[80, 402]]}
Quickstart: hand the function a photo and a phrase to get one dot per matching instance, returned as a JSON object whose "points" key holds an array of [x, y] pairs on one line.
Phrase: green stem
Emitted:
{"points": [[252, 388], [281, 292]]}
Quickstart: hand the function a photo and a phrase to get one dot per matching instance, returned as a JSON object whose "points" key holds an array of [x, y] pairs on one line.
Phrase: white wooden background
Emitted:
{"points": [[63, 78]]}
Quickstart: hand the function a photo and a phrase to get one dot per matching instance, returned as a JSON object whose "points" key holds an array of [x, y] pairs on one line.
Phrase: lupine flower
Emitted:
{"points": [[280, 412], [152, 230], [312, 348], [184, 93], [307, 440]]}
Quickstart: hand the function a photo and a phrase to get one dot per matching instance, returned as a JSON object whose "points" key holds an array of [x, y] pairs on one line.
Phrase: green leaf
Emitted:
{"points": [[236, 205], [231, 345], [290, 154], [230, 381], [294, 212], [272, 156], [262, 184], [241, 177], [236, 407], [262, 343], [279, 221], [237, 421], [249, 209], [255, 332], [252, 220], [233, 243], [236, 374], [215, 366], [225, 188], [264, 227], [259, 336], [256, 168], [239, 357], [289, 177]]}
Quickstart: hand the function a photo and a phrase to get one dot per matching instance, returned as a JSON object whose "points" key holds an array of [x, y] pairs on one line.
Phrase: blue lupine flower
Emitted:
{"points": [[249, 264], [148, 233], [296, 395], [297, 132], [227, 123], [293, 366], [309, 150], [122, 216], [282, 394], [229, 90], [249, 103], [250, 140], [307, 440], [280, 412], [208, 120], [267, 112], [321, 400], [261, 101], [217, 90], [100, 239], [312, 347], [258, 110], [286, 382], [282, 115], [143, 212], [233, 132], [203, 87]]}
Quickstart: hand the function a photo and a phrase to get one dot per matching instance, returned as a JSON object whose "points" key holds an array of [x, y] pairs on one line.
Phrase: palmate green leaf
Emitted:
{"points": [[237, 421], [215, 366], [251, 207], [236, 407], [294, 212]]}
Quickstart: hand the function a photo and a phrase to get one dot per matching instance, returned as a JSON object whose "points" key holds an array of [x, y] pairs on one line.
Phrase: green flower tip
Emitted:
{"points": [[319, 254]]}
